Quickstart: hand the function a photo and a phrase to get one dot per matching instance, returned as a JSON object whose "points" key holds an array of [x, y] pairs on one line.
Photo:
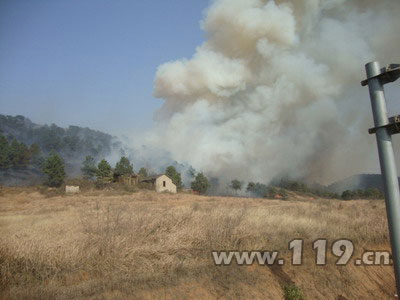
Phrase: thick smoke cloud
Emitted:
{"points": [[275, 89]]}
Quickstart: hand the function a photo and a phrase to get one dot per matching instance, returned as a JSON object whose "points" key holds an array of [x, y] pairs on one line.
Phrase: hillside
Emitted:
{"points": [[72, 143], [75, 143], [360, 181], [144, 245]]}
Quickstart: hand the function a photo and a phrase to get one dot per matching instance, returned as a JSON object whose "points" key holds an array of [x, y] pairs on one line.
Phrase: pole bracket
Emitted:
{"points": [[393, 127], [388, 74]]}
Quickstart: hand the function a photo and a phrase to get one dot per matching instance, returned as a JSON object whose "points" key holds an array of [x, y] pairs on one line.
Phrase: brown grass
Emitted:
{"points": [[99, 245]]}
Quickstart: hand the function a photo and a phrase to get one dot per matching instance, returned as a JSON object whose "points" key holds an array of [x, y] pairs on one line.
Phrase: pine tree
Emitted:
{"points": [[250, 187], [236, 185], [89, 168], [200, 184], [19, 155], [143, 172], [5, 162], [34, 150], [53, 167], [104, 171], [175, 176], [123, 167]]}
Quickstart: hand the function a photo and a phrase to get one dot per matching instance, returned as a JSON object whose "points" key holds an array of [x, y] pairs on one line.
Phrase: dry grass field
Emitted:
{"points": [[143, 245]]}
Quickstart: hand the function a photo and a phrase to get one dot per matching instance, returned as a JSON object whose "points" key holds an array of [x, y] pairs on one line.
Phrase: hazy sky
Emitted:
{"points": [[91, 63]]}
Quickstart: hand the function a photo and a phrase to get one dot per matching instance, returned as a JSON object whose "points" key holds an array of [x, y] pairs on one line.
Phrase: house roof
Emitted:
{"points": [[152, 178], [127, 175]]}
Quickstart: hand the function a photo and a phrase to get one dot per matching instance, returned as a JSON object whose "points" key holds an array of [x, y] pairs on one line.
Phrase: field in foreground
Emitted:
{"points": [[158, 246]]}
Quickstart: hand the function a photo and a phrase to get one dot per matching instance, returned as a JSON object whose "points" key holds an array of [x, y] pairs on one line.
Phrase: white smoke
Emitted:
{"points": [[275, 90]]}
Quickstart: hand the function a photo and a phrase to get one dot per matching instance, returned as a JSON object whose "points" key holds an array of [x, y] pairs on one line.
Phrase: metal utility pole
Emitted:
{"points": [[384, 128]]}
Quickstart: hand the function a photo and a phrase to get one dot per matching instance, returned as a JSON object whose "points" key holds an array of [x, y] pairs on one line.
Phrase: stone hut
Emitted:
{"points": [[160, 183]]}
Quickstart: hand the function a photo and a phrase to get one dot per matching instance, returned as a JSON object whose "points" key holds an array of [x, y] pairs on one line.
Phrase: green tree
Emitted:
{"points": [[374, 193], [36, 159], [143, 172], [175, 176], [123, 167], [53, 167], [19, 155], [34, 150], [5, 162], [250, 187], [191, 172], [104, 171], [89, 168], [236, 185], [283, 194], [347, 195], [200, 184]]}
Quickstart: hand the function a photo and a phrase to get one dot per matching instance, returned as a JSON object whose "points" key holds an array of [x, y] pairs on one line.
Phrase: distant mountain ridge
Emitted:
{"points": [[73, 144], [360, 181], [69, 141]]}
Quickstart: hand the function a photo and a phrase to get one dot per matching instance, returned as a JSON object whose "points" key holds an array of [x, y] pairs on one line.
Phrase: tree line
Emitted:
{"points": [[279, 190], [71, 142], [371, 193], [103, 173], [15, 155]]}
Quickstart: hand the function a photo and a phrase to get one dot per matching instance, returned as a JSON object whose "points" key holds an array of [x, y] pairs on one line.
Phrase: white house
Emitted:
{"points": [[72, 189], [161, 183]]}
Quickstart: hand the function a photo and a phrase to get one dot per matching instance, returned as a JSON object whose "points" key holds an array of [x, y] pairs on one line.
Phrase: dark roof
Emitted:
{"points": [[126, 175], [152, 178]]}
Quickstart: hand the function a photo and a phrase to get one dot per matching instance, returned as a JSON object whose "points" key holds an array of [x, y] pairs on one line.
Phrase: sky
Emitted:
{"points": [[91, 63]]}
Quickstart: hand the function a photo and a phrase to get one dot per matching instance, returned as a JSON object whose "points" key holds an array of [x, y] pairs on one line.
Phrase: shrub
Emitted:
{"points": [[292, 292], [371, 193]]}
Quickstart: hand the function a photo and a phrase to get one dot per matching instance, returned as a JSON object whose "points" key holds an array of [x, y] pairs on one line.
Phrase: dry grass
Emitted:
{"points": [[99, 245]]}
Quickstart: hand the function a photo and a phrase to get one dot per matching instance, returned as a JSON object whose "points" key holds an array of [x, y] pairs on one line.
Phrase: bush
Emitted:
{"points": [[50, 192], [371, 193], [302, 188], [98, 184], [292, 292], [129, 188]]}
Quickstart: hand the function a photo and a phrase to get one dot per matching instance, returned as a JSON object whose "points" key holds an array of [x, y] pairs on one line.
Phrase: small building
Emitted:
{"points": [[160, 183], [72, 189], [128, 179]]}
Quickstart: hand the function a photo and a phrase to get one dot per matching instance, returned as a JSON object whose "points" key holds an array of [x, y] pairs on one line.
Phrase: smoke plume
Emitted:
{"points": [[275, 89]]}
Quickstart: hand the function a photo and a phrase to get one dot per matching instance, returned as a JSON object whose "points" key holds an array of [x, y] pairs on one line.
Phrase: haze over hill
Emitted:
{"points": [[275, 90], [74, 144], [357, 182]]}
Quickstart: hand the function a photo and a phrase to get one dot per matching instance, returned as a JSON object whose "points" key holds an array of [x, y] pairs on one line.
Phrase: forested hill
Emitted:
{"points": [[71, 141], [24, 143], [359, 181]]}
